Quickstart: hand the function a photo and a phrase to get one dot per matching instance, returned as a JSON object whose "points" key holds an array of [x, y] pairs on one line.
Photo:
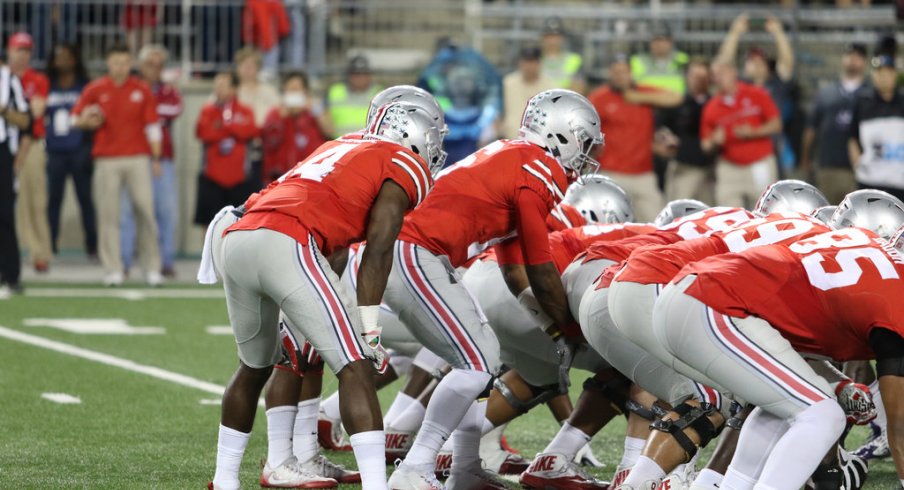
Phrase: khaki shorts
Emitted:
{"points": [[428, 295], [743, 356], [265, 271]]}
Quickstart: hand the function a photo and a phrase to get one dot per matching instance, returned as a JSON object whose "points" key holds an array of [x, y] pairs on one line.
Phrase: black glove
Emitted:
{"points": [[565, 352]]}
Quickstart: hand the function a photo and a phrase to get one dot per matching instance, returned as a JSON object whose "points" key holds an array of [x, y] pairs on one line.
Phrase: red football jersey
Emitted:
{"points": [[824, 293], [330, 193], [474, 203], [659, 264], [567, 244], [563, 217]]}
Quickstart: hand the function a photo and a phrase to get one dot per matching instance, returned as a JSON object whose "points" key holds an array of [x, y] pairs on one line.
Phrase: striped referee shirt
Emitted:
{"points": [[13, 97]]}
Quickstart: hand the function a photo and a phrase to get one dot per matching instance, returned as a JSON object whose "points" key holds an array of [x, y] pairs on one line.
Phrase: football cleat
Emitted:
{"points": [[321, 466], [477, 479], [621, 474], [877, 448], [443, 463], [647, 485], [407, 479], [291, 475], [498, 459], [585, 457], [398, 443], [680, 479], [557, 472], [330, 434]]}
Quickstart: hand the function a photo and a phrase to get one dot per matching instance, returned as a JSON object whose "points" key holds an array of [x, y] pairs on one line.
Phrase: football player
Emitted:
{"points": [[503, 191], [742, 322], [292, 226]]}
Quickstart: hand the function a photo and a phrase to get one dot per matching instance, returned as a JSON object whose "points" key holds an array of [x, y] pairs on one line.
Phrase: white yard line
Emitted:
{"points": [[129, 294], [107, 359], [61, 398], [219, 330]]}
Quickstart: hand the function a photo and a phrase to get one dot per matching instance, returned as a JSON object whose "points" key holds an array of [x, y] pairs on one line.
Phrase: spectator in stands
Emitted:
{"points": [[773, 75], [469, 90], [293, 130], [738, 124], [121, 111], [68, 148], [690, 172], [139, 19], [225, 128], [829, 127], [626, 115], [151, 62], [259, 95], [15, 119], [663, 66], [876, 143], [31, 160], [264, 24], [561, 66], [348, 101], [519, 86]]}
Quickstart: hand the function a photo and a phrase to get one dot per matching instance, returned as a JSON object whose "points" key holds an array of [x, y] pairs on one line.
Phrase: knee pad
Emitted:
{"points": [[539, 395], [615, 389], [689, 417]]}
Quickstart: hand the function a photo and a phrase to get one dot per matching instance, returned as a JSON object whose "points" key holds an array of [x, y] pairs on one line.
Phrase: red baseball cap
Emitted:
{"points": [[20, 40]]}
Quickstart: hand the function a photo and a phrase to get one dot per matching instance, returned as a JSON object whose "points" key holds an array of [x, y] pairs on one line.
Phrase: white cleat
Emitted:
{"points": [[398, 443], [621, 474], [554, 471], [681, 479], [407, 479], [647, 485], [476, 479], [291, 475], [585, 457], [330, 434], [321, 466]]}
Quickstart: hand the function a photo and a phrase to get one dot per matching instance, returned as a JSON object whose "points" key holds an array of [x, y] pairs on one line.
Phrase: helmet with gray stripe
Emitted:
{"points": [[567, 125], [790, 195], [600, 200], [824, 213], [412, 127], [678, 208], [870, 209], [413, 95]]}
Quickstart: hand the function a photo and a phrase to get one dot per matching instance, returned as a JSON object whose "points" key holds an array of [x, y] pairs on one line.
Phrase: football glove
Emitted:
{"points": [[372, 332], [857, 402], [565, 352], [855, 469]]}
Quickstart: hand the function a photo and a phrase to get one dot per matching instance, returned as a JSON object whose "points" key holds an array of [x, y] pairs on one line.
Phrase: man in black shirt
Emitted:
{"points": [[876, 143], [829, 127], [690, 173]]}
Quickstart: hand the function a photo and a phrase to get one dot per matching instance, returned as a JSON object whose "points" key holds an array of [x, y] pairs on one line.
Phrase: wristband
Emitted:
{"points": [[370, 316], [529, 302]]}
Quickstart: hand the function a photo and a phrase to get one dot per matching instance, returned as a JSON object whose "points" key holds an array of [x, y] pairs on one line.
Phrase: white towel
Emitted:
{"points": [[207, 272]]}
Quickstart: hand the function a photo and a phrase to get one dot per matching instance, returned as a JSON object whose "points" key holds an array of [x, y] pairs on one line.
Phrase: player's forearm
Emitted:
{"points": [[550, 293], [373, 275], [386, 216], [515, 277]]}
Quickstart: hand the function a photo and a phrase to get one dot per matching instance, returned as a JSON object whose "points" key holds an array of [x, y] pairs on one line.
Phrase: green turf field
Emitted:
{"points": [[135, 430]]}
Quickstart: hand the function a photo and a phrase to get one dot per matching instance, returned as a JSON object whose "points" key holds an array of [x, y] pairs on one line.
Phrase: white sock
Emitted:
{"points": [[448, 405], [488, 426], [401, 402], [305, 444], [568, 441], [410, 419], [230, 449], [466, 439], [633, 447], [881, 419], [795, 456], [645, 469], [370, 454], [736, 480], [330, 406], [280, 421], [707, 479]]}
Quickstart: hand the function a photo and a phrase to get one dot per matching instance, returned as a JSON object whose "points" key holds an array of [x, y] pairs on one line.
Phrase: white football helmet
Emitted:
{"points": [[600, 200], [790, 195], [876, 211], [678, 208], [413, 95], [412, 127], [824, 213], [567, 125]]}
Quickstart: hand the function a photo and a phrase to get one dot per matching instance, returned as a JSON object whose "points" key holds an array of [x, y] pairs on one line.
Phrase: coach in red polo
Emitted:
{"points": [[122, 112], [738, 124], [627, 120]]}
